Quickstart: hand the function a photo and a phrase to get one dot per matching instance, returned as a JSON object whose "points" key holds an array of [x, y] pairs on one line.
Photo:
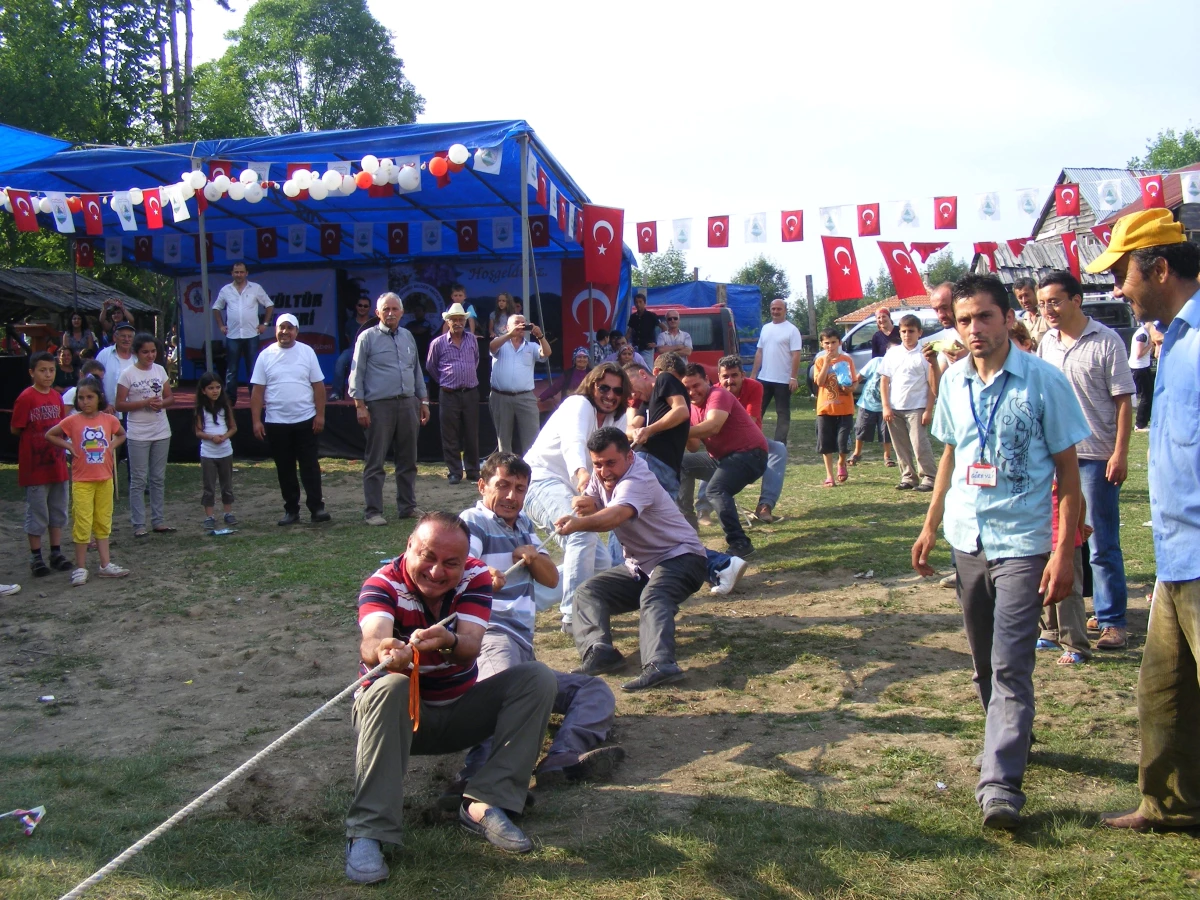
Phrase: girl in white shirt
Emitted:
{"points": [[215, 425]]}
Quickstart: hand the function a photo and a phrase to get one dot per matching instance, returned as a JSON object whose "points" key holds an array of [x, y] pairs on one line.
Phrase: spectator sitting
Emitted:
{"points": [[566, 383], [678, 342], [65, 374]]}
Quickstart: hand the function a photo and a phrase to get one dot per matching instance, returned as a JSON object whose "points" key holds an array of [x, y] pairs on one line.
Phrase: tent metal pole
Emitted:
{"points": [[74, 273], [591, 317], [524, 218], [202, 248]]}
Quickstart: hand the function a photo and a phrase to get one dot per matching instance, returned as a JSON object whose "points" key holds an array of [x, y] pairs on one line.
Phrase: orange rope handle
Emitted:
{"points": [[414, 691]]}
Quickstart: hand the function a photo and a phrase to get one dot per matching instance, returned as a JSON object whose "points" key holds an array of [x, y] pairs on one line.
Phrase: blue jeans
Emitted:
{"points": [[237, 349], [341, 371], [669, 479], [726, 478], [1110, 596], [772, 480]]}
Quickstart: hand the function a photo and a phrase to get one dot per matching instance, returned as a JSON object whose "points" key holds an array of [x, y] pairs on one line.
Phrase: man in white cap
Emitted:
{"points": [[452, 364], [288, 381]]}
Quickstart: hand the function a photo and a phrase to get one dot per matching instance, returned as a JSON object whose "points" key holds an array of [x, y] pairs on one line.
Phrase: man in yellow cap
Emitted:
{"points": [[1155, 267]]}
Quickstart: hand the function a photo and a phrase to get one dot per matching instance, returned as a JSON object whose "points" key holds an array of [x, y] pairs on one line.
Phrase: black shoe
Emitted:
{"points": [[654, 675], [321, 516], [600, 660], [60, 563], [289, 519], [999, 813], [923, 488], [454, 478], [38, 567], [903, 486], [595, 765], [743, 549]]}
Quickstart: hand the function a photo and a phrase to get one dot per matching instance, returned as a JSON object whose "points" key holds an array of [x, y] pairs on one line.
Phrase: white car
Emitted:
{"points": [[857, 341]]}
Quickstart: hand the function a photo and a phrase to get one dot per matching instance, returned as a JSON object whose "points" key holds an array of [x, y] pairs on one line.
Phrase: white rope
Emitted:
{"points": [[513, 568], [243, 769]]}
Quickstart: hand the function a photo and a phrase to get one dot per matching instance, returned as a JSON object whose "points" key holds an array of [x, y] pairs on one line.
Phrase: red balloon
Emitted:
{"points": [[364, 180], [74, 204], [438, 167], [455, 167]]}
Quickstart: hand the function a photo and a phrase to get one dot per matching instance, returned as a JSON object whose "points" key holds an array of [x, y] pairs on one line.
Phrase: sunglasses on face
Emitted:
{"points": [[609, 389], [672, 318]]}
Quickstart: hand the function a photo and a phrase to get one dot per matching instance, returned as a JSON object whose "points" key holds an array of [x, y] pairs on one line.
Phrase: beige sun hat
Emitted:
{"points": [[456, 309]]}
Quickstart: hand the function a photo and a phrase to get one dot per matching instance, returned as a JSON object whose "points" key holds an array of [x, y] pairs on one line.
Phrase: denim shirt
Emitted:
{"points": [[1175, 448], [1038, 416]]}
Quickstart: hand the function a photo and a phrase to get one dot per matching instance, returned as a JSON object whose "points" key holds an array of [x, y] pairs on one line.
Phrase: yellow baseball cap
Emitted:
{"points": [[1136, 231]]}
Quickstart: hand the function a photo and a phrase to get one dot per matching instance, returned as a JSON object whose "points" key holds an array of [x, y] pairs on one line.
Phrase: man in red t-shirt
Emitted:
{"points": [[42, 467], [737, 455], [749, 393]]}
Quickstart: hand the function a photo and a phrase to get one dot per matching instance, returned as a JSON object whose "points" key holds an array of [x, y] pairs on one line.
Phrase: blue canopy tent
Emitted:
{"points": [[495, 191], [744, 299], [19, 147]]}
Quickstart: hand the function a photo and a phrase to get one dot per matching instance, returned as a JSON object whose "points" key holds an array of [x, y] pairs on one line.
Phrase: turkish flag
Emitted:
{"points": [[380, 191], [1071, 246], [718, 231], [291, 170], [208, 245], [143, 248], [468, 235], [153, 205], [201, 202], [398, 238], [988, 249], [868, 219], [579, 225], [85, 254], [562, 213], [1152, 192], [543, 187], [23, 210], [903, 270], [647, 237], [924, 251], [1017, 246], [1066, 200], [223, 167], [601, 238], [945, 212], [331, 240], [841, 268], [791, 224], [268, 243], [1103, 233], [586, 306], [91, 214], [539, 230]]}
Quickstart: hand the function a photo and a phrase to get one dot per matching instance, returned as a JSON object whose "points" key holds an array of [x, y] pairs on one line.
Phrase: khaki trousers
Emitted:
{"points": [[911, 441]]}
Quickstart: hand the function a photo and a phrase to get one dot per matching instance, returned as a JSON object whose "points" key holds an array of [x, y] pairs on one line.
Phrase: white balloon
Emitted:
{"points": [[303, 179], [317, 190], [254, 192], [197, 180], [248, 177], [222, 183], [45, 205], [349, 186], [331, 179], [370, 163], [409, 178], [380, 176], [457, 154], [237, 191], [211, 192], [291, 189], [186, 190], [135, 196], [394, 174]]}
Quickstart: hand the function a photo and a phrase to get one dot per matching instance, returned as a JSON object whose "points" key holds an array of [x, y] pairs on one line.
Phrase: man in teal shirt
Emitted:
{"points": [[1010, 423], [1155, 267]]}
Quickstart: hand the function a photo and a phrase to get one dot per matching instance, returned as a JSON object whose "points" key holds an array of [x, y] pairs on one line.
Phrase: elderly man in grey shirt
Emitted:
{"points": [[388, 388]]}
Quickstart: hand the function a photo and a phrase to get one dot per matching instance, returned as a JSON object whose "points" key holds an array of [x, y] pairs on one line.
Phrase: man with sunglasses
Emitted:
{"points": [[363, 316], [678, 342]]}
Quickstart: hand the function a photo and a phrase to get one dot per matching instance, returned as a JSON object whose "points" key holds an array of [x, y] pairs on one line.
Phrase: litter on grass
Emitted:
{"points": [[28, 818]]}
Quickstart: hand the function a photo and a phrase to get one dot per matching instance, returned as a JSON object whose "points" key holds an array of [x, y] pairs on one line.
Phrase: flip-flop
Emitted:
{"points": [[1071, 658], [842, 474], [140, 533], [166, 529], [828, 482]]}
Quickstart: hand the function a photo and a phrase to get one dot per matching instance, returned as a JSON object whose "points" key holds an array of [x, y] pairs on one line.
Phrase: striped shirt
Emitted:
{"points": [[452, 367], [390, 592], [493, 541]]}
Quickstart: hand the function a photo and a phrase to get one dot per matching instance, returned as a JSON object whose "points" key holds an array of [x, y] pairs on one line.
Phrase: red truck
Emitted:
{"points": [[713, 331]]}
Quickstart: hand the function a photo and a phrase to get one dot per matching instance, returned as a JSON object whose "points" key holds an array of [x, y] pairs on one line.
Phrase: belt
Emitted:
{"points": [[447, 390], [512, 393], [393, 397]]}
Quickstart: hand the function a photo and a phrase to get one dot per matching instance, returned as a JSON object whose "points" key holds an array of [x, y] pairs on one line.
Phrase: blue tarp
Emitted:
{"points": [[744, 299], [19, 147]]}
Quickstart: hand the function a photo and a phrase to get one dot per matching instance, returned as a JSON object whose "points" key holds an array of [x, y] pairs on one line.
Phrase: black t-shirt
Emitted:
{"points": [[881, 343], [667, 445], [641, 329]]}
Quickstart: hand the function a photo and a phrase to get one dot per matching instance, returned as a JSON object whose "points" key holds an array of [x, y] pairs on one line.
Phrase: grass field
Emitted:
{"points": [[820, 747]]}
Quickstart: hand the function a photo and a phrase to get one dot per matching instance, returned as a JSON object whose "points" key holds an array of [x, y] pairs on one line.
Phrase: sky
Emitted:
{"points": [[678, 110]]}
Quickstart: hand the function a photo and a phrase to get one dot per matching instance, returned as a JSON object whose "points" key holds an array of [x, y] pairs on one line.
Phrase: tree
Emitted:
{"points": [[308, 65], [661, 269], [769, 278], [1170, 151], [879, 288], [222, 105], [944, 267]]}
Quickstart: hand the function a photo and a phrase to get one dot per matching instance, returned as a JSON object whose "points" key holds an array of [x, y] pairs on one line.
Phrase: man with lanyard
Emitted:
{"points": [[512, 402], [241, 327], [452, 364], [643, 327], [390, 401], [1010, 423], [1155, 267]]}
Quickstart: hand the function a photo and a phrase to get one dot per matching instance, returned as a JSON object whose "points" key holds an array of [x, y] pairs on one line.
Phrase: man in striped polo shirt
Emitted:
{"points": [[398, 611], [501, 534]]}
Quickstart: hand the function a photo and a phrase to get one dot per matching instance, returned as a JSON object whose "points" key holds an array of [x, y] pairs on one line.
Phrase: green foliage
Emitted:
{"points": [[880, 287], [315, 64], [222, 104], [944, 267], [770, 279], [1170, 150], [662, 269]]}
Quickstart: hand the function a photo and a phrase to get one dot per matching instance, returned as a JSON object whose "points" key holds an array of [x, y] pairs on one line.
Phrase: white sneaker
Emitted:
{"points": [[112, 570], [79, 577], [7, 590], [729, 576], [376, 519]]}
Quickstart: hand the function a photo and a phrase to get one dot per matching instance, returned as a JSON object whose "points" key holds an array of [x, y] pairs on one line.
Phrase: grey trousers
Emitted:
{"points": [[911, 441], [147, 464], [513, 707], [1001, 607], [394, 426], [520, 411], [658, 597], [586, 703], [1065, 623]]}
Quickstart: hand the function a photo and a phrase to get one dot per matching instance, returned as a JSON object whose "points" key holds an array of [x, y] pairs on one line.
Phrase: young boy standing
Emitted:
{"points": [[41, 468], [835, 404], [905, 389], [868, 421]]}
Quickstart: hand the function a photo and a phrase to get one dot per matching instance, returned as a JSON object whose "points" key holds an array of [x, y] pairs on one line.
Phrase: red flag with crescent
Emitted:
{"points": [[562, 213], [268, 243], [579, 225], [93, 223], [331, 240], [208, 246], [1066, 199], [718, 231], [398, 238], [903, 270], [647, 237], [868, 219], [1103, 233], [945, 212], [152, 203], [85, 254], [842, 268], [539, 231], [23, 210], [143, 248], [1017, 246], [468, 235], [543, 187], [601, 238], [791, 224], [926, 250], [988, 249], [223, 167], [1152, 192], [1071, 246]]}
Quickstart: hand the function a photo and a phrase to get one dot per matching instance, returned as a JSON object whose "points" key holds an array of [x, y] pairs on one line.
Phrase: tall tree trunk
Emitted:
{"points": [[176, 78], [185, 123], [164, 113]]}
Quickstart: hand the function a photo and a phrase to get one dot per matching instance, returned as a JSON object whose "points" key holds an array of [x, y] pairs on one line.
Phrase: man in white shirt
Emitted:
{"points": [[512, 401], [905, 387], [240, 302], [288, 381], [1142, 348], [116, 359], [777, 366], [678, 342]]}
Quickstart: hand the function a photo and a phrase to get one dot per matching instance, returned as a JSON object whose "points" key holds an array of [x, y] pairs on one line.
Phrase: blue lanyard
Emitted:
{"points": [[985, 433]]}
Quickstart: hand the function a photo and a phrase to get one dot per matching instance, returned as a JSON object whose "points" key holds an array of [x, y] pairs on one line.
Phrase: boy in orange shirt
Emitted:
{"points": [[834, 375]]}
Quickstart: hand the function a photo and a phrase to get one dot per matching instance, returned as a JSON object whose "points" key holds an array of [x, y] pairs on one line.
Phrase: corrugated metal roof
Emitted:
{"points": [[1090, 207], [1172, 194], [56, 290], [1041, 257]]}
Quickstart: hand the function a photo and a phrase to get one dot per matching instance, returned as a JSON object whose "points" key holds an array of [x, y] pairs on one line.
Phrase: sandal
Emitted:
{"points": [[853, 460], [828, 483], [140, 531], [842, 473], [1071, 658], [164, 529], [890, 463]]}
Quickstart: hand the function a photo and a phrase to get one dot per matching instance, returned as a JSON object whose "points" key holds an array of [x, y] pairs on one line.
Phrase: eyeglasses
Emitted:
{"points": [[672, 318], [1053, 304], [609, 389]]}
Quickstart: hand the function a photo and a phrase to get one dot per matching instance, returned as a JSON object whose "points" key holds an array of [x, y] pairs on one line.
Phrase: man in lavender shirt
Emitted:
{"points": [[665, 562], [452, 363]]}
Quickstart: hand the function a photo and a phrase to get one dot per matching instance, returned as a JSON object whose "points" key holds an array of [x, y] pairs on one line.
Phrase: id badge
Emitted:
{"points": [[981, 475]]}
